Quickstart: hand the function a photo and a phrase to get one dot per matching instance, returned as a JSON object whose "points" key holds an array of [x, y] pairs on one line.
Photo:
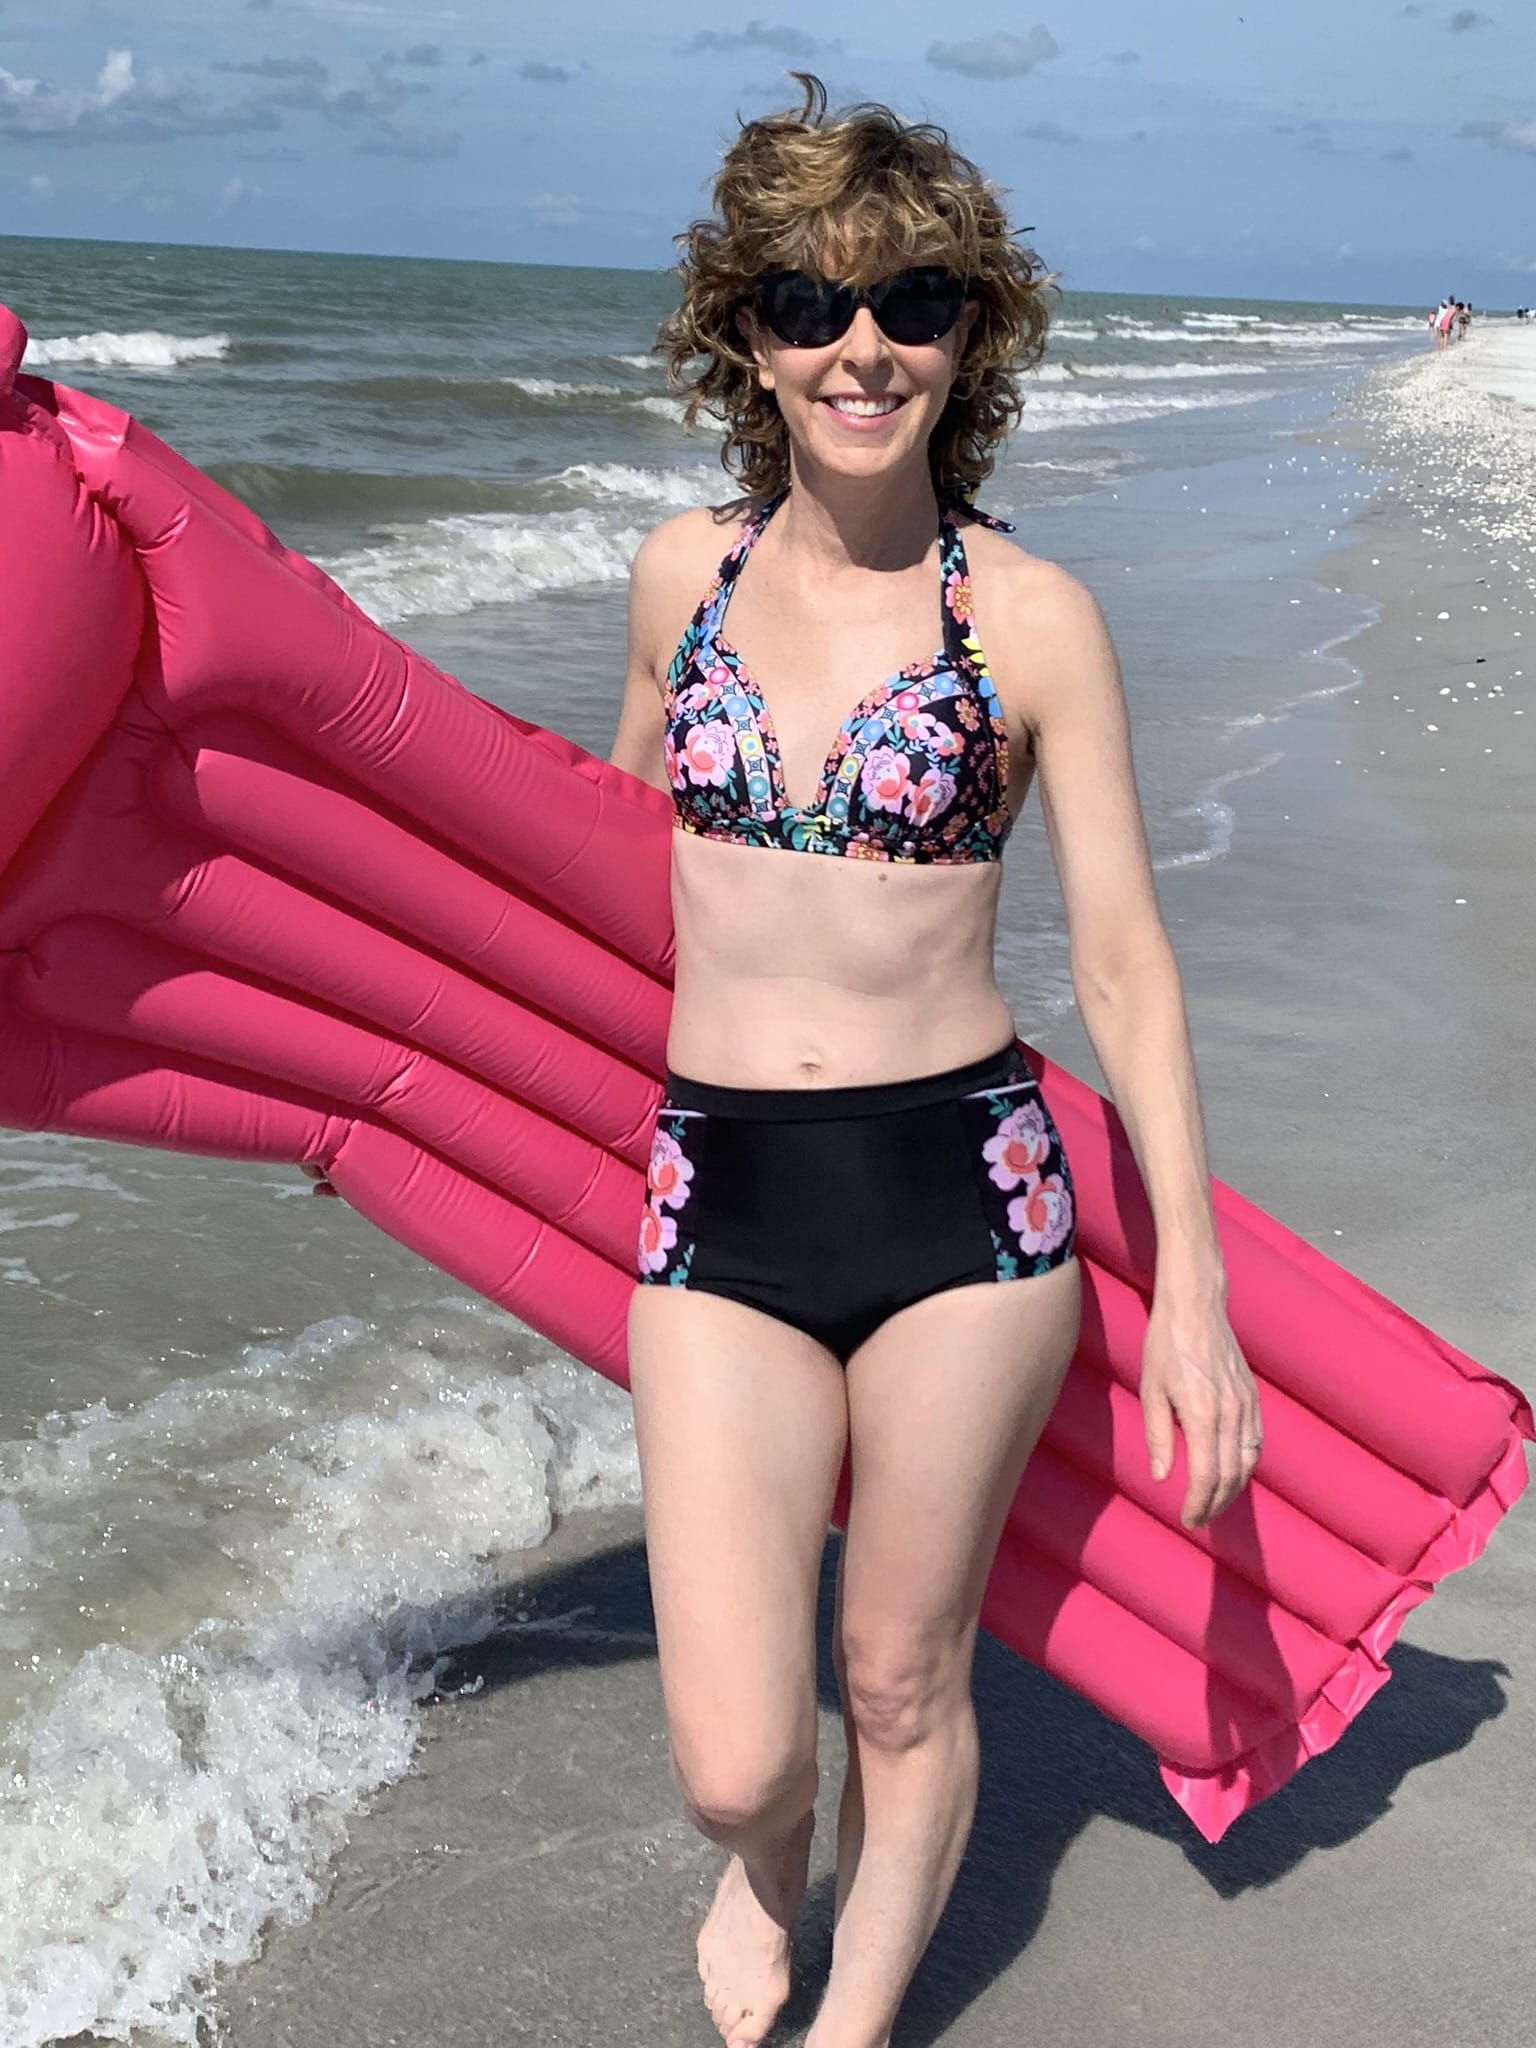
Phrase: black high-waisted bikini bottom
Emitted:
{"points": [[832, 1208]]}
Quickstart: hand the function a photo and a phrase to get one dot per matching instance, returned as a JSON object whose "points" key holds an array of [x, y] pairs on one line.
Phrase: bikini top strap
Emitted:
{"points": [[719, 596], [961, 648], [960, 501], [709, 611]]}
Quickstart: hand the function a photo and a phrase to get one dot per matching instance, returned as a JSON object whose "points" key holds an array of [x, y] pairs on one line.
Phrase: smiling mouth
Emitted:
{"points": [[865, 408]]}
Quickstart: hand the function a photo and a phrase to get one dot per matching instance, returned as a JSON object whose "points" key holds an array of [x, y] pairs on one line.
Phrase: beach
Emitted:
{"points": [[1357, 967], [327, 1677]]}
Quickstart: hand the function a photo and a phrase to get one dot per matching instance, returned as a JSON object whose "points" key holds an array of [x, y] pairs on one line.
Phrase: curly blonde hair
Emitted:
{"points": [[883, 193]]}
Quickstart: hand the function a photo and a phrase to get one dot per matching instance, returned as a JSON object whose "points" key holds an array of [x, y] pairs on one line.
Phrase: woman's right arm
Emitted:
{"points": [[637, 744]]}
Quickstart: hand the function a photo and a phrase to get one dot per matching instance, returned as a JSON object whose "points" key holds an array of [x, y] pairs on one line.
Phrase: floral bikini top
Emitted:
{"points": [[919, 768]]}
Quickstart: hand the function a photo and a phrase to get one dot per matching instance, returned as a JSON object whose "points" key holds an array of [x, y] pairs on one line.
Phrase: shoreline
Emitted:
{"points": [[1363, 1040]]}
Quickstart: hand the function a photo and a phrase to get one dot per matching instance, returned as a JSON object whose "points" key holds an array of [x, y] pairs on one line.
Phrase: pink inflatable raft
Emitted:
{"points": [[273, 887]]}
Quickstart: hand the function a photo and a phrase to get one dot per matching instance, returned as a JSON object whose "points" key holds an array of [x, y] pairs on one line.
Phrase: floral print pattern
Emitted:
{"points": [[1025, 1183], [666, 1236], [918, 771]]}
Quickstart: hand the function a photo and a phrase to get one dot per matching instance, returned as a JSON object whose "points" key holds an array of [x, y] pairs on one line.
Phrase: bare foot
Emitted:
{"points": [[744, 1949]]}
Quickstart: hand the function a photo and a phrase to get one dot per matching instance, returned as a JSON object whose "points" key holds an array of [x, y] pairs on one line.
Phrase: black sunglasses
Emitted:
{"points": [[913, 307]]}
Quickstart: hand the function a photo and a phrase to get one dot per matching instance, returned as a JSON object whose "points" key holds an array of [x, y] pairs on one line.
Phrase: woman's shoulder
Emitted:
{"points": [[674, 570], [1016, 585], [690, 545], [1042, 628]]}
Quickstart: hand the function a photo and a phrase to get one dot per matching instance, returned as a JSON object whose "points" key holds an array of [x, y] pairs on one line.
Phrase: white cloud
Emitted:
{"points": [[779, 37], [119, 107], [28, 105], [1519, 135], [40, 185], [996, 56]]}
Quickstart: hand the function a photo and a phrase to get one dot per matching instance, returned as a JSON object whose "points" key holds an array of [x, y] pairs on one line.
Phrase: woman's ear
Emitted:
{"points": [[752, 334]]}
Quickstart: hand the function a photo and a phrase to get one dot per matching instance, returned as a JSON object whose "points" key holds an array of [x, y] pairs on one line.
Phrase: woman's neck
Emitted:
{"points": [[832, 522]]}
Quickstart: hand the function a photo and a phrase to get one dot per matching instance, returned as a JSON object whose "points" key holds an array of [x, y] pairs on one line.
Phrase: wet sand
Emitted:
{"points": [[1358, 970]]}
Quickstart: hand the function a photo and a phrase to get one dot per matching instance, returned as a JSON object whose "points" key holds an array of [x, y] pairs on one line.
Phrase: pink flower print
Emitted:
{"points": [[658, 1237], [718, 676], [945, 742], [935, 793], [1018, 1148], [959, 588], [967, 713], [917, 727], [707, 752], [669, 758], [886, 779], [699, 696], [670, 1174], [1041, 1218]]}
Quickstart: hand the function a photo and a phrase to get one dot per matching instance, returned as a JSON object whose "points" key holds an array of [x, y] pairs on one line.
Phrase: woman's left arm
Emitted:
{"points": [[1060, 680]]}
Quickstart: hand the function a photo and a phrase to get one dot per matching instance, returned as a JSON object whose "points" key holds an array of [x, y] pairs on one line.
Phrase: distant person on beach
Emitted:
{"points": [[858, 1237], [1440, 322], [1463, 319]]}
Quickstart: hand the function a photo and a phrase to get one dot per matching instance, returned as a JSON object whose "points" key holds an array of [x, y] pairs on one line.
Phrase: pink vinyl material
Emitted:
{"points": [[272, 886]]}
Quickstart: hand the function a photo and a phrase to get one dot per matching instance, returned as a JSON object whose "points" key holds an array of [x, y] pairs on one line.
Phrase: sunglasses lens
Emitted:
{"points": [[803, 311], [919, 305], [913, 307]]}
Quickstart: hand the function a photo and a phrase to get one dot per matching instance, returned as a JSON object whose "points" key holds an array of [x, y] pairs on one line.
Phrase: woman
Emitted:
{"points": [[858, 1232]]}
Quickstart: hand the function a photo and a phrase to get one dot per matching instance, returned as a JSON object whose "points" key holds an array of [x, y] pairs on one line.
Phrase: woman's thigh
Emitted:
{"points": [[946, 1401], [741, 1423]]}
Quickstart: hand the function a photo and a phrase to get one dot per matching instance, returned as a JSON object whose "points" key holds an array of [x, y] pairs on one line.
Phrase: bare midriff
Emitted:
{"points": [[805, 970]]}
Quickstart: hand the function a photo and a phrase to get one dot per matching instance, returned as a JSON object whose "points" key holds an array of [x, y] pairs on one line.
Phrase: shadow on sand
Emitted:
{"points": [[1050, 1764]]}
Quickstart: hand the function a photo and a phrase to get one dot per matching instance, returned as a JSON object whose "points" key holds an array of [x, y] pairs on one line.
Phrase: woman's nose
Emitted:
{"points": [[864, 342]]}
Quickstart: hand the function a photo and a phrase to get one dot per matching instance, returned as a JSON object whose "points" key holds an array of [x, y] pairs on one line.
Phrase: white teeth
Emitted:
{"points": [[864, 408]]}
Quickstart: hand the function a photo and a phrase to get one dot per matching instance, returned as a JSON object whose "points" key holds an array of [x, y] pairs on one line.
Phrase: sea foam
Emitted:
{"points": [[165, 1804], [145, 349], [451, 565]]}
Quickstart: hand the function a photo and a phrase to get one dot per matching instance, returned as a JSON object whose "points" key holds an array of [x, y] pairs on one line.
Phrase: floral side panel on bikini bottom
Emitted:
{"points": [[666, 1221], [1026, 1185]]}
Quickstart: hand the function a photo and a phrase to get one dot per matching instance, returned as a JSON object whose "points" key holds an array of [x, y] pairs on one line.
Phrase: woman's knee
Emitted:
{"points": [[739, 1792], [901, 1689]]}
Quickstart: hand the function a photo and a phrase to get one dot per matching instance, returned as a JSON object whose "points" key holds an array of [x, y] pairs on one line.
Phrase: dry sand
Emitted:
{"points": [[1359, 972]]}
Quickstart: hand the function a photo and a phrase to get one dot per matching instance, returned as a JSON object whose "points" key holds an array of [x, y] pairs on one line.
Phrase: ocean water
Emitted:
{"points": [[261, 1469]]}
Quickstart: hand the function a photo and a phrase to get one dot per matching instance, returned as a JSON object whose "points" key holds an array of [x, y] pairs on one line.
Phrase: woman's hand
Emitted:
{"points": [[1193, 1374]]}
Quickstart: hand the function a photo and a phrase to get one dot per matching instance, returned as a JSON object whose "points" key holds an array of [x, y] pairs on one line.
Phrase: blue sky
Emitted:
{"points": [[1341, 149]]}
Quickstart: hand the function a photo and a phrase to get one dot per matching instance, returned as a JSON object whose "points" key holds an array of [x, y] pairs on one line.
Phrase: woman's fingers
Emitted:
{"points": [[1157, 1417], [1235, 1434], [1214, 1404], [1202, 1448], [1195, 1416]]}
